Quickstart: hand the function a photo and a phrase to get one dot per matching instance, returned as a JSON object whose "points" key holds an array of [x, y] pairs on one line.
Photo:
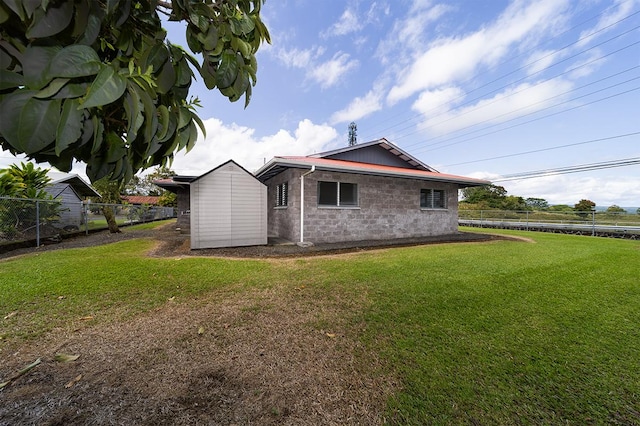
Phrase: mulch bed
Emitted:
{"points": [[173, 243]]}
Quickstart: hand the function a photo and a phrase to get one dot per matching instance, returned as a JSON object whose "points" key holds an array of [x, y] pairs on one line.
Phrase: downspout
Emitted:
{"points": [[313, 169]]}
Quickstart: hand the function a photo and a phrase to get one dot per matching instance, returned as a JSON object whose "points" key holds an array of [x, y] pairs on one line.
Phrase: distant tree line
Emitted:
{"points": [[494, 197]]}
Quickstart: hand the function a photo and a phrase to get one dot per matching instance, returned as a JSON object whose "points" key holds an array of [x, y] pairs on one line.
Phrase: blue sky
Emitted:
{"points": [[457, 84]]}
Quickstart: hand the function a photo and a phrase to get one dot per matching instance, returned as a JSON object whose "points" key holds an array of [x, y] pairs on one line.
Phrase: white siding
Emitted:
{"points": [[228, 209]]}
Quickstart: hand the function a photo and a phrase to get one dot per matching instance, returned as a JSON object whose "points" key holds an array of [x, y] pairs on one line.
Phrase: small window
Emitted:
{"points": [[432, 199], [339, 194], [282, 194]]}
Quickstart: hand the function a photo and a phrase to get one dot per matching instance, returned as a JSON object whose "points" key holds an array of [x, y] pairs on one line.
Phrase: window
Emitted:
{"points": [[282, 195], [432, 199], [339, 194]]}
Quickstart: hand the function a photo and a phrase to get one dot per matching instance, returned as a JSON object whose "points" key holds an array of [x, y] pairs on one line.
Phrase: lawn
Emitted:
{"points": [[506, 332]]}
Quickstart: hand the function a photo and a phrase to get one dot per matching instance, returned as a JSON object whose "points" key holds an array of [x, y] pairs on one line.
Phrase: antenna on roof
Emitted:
{"points": [[353, 134]]}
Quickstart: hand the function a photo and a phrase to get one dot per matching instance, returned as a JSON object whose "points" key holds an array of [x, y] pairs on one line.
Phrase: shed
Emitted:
{"points": [[228, 208], [70, 190]]}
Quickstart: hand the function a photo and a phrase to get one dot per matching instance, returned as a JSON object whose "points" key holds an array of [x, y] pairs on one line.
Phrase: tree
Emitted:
{"points": [[536, 203], [97, 82], [28, 182], [615, 209], [109, 191], [143, 185], [584, 206], [488, 196]]}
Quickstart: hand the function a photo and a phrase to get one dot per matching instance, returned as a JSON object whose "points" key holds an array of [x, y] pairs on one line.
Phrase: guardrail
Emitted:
{"points": [[600, 224]]}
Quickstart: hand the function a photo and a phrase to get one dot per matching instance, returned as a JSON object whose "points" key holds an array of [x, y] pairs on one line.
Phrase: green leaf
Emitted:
{"points": [[10, 79], [98, 134], [38, 124], [47, 23], [166, 78], [132, 106], [35, 65], [66, 357], [72, 90], [75, 61], [156, 56], [163, 122], [16, 7], [53, 88], [10, 108], [227, 70], [70, 125], [106, 88], [115, 147]]}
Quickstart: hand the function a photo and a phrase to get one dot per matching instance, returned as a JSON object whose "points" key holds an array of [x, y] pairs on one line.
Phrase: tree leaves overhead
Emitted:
{"points": [[97, 82]]}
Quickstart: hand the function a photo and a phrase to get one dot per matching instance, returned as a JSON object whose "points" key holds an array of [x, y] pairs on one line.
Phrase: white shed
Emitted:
{"points": [[228, 208]]}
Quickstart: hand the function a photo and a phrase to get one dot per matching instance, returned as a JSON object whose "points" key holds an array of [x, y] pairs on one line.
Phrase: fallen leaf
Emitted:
{"points": [[332, 335], [87, 318], [10, 314], [201, 330], [73, 382], [66, 357], [171, 298], [60, 297]]}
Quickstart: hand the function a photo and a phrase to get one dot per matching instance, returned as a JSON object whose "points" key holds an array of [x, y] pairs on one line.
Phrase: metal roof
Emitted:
{"points": [[383, 143], [79, 185], [279, 164]]}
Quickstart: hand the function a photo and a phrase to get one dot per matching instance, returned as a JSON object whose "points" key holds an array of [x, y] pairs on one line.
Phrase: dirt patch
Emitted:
{"points": [[264, 357]]}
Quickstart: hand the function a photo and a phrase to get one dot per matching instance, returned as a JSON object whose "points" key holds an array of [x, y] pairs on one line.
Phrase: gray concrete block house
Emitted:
{"points": [[370, 191]]}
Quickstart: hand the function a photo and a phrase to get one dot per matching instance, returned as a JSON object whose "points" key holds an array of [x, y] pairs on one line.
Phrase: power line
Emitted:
{"points": [[529, 64], [529, 121], [546, 149], [527, 106], [570, 169], [514, 93]]}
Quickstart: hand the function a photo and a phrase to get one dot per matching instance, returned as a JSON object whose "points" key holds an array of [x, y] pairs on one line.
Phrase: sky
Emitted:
{"points": [[483, 88]]}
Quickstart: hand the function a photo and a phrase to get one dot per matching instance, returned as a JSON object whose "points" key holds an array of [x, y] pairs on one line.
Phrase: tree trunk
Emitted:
{"points": [[108, 213]]}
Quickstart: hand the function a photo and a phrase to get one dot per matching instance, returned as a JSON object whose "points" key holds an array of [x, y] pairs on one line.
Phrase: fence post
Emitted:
{"points": [[86, 217], [593, 222], [37, 223], [527, 220]]}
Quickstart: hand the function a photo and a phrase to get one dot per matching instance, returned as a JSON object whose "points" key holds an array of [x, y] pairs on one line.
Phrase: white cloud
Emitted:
{"points": [[509, 104], [602, 188], [359, 107], [450, 59], [299, 58], [238, 143], [409, 34], [437, 101], [607, 21], [329, 73], [349, 22]]}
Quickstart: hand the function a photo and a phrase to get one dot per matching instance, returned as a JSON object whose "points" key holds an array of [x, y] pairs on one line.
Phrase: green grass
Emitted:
{"points": [[506, 332]]}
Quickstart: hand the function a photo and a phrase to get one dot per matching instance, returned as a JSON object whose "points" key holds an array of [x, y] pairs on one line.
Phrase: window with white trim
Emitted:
{"points": [[282, 194], [337, 194], [433, 199]]}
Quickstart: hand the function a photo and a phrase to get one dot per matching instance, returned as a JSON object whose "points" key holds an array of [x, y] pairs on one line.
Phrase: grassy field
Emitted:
{"points": [[507, 332]]}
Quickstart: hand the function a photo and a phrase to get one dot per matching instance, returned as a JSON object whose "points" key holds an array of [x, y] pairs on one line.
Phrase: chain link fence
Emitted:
{"points": [[32, 222]]}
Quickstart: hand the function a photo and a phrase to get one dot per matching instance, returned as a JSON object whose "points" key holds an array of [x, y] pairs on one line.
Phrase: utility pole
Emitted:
{"points": [[353, 134]]}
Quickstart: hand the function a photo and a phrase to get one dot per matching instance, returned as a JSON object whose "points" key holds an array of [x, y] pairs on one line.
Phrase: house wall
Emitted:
{"points": [[184, 209], [388, 208], [228, 208], [71, 205]]}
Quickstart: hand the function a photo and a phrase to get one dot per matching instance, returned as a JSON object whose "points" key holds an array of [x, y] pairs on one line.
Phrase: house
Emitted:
{"points": [[227, 206], [71, 190], [141, 200], [370, 191]]}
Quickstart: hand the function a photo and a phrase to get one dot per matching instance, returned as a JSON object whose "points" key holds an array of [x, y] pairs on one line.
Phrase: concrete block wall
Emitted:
{"points": [[284, 222], [388, 208]]}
